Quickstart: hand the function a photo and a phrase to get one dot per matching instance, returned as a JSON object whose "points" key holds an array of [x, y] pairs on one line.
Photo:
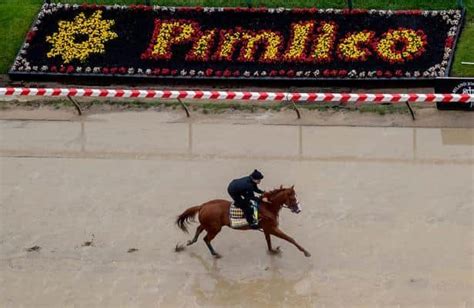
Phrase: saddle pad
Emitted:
{"points": [[237, 218]]}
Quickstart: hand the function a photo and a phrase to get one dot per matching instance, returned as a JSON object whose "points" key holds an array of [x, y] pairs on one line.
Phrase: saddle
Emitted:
{"points": [[237, 217]]}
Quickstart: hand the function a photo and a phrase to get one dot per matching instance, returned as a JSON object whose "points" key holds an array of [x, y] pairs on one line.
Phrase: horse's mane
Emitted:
{"points": [[275, 191]]}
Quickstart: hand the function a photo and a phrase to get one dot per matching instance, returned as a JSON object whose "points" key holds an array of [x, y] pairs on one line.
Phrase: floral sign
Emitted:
{"points": [[153, 41]]}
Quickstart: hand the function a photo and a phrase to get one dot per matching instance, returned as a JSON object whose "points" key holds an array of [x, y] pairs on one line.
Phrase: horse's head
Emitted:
{"points": [[285, 197], [291, 201]]}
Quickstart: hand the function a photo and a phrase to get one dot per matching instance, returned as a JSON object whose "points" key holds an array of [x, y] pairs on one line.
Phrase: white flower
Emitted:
{"points": [[263, 73], [96, 69], [256, 74], [183, 73], [79, 69], [44, 68], [35, 68], [140, 71], [88, 69], [192, 72], [200, 73], [299, 73], [417, 74], [131, 71], [247, 74], [307, 73], [408, 74], [362, 74], [148, 71], [316, 73]]}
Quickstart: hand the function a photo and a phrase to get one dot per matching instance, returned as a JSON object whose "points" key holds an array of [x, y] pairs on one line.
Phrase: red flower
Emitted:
{"points": [[174, 72], [218, 73], [342, 73], [399, 73], [379, 73], [273, 73], [156, 71], [334, 73], [290, 73], [30, 36], [209, 72], [62, 69], [326, 73], [53, 69], [227, 73], [282, 72], [122, 70], [70, 69], [165, 72], [236, 73], [105, 70], [449, 42], [388, 74], [114, 70]]}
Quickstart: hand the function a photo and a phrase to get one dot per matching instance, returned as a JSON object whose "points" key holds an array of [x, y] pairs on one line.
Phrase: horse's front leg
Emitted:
{"points": [[269, 243], [278, 233]]}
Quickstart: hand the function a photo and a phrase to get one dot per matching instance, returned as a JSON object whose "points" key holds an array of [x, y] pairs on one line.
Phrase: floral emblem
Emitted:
{"points": [[80, 38]]}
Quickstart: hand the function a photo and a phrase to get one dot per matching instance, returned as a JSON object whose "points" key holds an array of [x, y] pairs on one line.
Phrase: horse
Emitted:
{"points": [[214, 214]]}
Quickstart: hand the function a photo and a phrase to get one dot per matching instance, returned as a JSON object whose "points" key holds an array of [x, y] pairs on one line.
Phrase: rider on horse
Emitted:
{"points": [[242, 192]]}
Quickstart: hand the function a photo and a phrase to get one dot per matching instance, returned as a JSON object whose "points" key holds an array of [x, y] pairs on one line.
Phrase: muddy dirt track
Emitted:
{"points": [[87, 212]]}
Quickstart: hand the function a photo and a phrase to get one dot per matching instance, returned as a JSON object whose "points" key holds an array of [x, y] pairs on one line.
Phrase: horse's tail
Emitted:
{"points": [[186, 217]]}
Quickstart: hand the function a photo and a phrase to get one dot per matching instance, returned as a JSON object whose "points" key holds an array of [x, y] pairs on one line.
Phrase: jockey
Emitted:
{"points": [[242, 192]]}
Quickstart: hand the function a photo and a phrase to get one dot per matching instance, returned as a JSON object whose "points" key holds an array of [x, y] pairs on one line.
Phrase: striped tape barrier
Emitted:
{"points": [[240, 95]]}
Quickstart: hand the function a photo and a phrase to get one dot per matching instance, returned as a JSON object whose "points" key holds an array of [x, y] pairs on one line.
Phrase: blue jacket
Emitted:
{"points": [[244, 187]]}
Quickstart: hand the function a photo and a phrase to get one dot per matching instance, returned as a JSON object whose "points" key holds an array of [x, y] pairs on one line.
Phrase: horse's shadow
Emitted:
{"points": [[271, 288]]}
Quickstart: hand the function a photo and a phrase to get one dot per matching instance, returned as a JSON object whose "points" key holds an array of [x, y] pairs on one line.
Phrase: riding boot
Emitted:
{"points": [[248, 212]]}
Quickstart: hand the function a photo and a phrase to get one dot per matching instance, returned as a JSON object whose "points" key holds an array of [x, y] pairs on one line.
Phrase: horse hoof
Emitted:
{"points": [[307, 254], [217, 256], [276, 251]]}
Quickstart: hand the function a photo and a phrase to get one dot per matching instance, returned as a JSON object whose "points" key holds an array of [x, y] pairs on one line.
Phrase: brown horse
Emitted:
{"points": [[214, 214]]}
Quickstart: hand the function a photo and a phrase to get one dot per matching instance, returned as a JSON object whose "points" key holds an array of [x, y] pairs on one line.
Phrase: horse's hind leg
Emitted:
{"points": [[199, 229], [208, 238]]}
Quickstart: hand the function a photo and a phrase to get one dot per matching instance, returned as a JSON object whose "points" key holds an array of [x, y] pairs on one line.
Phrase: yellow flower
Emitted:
{"points": [[68, 44]]}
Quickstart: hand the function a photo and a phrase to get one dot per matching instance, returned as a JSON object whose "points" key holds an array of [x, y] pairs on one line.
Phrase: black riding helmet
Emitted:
{"points": [[256, 175]]}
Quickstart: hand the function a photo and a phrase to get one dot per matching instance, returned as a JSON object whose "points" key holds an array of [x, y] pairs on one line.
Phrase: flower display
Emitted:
{"points": [[398, 46], [78, 39], [193, 42], [354, 47], [325, 42]]}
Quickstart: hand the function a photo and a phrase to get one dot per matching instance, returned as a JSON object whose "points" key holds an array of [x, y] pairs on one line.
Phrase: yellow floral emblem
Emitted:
{"points": [[80, 38]]}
